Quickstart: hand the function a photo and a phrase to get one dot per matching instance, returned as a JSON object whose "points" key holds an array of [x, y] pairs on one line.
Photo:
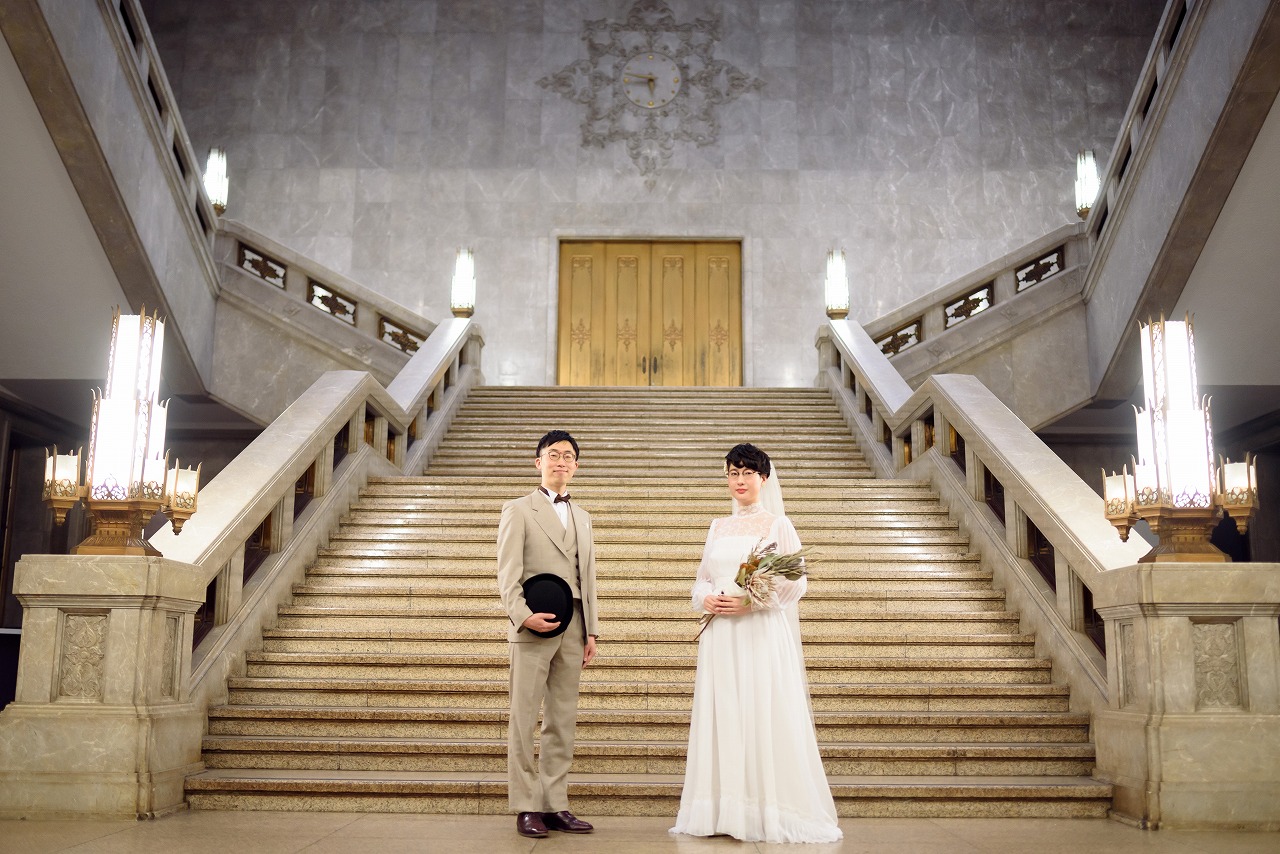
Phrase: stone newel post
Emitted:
{"points": [[101, 724], [1191, 735]]}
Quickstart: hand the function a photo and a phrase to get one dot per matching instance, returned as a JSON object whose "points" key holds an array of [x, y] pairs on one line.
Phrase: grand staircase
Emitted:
{"points": [[383, 687]]}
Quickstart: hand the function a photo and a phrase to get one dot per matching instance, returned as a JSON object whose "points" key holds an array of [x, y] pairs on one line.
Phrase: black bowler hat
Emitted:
{"points": [[549, 594]]}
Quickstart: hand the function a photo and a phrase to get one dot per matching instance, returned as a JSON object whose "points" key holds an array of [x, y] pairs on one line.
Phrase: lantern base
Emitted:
{"points": [[837, 313], [117, 528], [1184, 543]]}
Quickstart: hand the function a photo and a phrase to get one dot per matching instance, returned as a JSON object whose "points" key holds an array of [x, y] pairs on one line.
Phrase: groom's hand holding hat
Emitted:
{"points": [[551, 600]]}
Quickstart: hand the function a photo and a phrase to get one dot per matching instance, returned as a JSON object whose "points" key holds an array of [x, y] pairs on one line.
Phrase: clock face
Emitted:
{"points": [[650, 80]]}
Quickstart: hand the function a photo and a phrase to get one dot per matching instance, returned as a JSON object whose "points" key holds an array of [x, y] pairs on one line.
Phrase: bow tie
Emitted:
{"points": [[564, 498]]}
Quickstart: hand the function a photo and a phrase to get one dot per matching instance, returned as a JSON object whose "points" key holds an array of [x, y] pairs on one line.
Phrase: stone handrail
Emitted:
{"points": [[111, 703], [1149, 95], [954, 432], [325, 446], [153, 85]]}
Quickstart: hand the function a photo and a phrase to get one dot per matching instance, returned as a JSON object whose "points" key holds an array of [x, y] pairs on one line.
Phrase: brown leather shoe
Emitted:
{"points": [[565, 822], [530, 824]]}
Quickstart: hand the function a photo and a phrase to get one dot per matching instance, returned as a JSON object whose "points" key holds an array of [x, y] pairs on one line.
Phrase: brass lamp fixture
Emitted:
{"points": [[462, 296], [216, 182], [127, 477], [837, 285], [1087, 183], [1174, 485]]}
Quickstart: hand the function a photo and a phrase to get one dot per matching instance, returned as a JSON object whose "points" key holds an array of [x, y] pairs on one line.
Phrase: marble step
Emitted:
{"points": [[637, 794], [643, 757], [822, 447], [482, 601], [453, 640], [493, 694], [419, 527], [660, 420], [347, 552], [610, 566], [608, 724], [695, 470], [640, 482], [831, 445], [428, 521], [638, 623], [676, 587], [650, 668], [445, 580]]}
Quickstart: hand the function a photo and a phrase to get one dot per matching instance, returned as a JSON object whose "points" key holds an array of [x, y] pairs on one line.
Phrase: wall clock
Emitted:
{"points": [[650, 80]]}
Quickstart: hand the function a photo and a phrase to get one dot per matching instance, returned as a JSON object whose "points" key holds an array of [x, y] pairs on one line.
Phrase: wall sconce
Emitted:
{"points": [[462, 296], [126, 480], [1174, 485], [1087, 184], [837, 285], [216, 181]]}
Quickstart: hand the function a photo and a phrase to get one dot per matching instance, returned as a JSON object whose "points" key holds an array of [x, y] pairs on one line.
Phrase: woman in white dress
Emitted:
{"points": [[753, 770]]}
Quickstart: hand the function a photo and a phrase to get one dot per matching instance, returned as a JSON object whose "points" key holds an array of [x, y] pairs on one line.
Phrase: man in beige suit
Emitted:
{"points": [[544, 532]]}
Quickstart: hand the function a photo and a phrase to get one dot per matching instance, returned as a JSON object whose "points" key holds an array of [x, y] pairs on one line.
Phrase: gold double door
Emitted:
{"points": [[635, 314]]}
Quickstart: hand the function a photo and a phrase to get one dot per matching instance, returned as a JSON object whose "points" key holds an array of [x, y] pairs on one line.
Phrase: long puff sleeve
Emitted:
{"points": [[784, 534], [703, 584]]}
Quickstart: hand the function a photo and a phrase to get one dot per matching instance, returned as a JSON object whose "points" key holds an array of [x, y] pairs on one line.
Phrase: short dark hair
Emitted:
{"points": [[748, 456], [556, 436]]}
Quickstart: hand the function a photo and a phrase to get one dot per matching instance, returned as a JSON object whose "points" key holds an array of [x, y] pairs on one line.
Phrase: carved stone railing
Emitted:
{"points": [[281, 309], [94, 72], [1025, 306], [250, 256], [1205, 89], [320, 452], [1177, 664], [111, 698], [986, 294], [1039, 527]]}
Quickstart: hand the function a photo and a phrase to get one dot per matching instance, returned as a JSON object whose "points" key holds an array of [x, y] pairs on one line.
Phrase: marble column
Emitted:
{"points": [[102, 724], [1191, 734]]}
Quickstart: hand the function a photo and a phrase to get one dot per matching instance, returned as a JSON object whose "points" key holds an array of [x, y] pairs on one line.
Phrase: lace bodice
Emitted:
{"points": [[729, 542]]}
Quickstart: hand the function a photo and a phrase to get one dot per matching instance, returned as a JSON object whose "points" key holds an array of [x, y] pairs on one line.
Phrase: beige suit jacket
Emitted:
{"points": [[530, 542]]}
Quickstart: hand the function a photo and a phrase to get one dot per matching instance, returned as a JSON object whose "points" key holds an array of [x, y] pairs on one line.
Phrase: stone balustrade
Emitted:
{"points": [[111, 698], [995, 285], [1137, 644], [276, 269]]}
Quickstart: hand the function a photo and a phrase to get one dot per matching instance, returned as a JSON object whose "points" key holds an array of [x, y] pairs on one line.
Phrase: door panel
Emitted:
{"points": [[650, 314]]}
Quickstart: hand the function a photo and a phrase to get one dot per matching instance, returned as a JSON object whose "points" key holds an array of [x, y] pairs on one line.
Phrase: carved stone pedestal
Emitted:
{"points": [[1191, 737], [101, 725]]}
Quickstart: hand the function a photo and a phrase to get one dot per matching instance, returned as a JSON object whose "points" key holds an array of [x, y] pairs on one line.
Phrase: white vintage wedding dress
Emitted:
{"points": [[753, 769]]}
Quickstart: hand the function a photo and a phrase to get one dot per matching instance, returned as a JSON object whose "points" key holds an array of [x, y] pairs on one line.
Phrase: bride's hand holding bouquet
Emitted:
{"points": [[755, 584]]}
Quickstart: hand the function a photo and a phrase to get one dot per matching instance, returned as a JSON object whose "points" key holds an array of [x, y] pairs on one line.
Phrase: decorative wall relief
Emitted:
{"points": [[1217, 663], [650, 82], [84, 646], [168, 676], [1128, 664]]}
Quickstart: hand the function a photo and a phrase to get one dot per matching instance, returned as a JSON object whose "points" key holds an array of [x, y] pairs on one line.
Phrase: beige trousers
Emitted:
{"points": [[545, 673]]}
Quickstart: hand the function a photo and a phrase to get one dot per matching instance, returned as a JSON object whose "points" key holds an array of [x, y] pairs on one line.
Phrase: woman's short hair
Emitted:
{"points": [[748, 456]]}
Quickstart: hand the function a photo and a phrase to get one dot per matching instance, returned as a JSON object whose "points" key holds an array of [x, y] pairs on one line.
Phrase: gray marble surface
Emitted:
{"points": [[925, 137]]}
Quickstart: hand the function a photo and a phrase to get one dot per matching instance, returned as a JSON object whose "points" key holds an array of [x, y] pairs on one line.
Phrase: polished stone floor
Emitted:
{"points": [[340, 833]]}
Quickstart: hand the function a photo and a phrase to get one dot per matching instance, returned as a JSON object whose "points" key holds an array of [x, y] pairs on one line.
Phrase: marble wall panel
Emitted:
{"points": [[925, 137]]}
